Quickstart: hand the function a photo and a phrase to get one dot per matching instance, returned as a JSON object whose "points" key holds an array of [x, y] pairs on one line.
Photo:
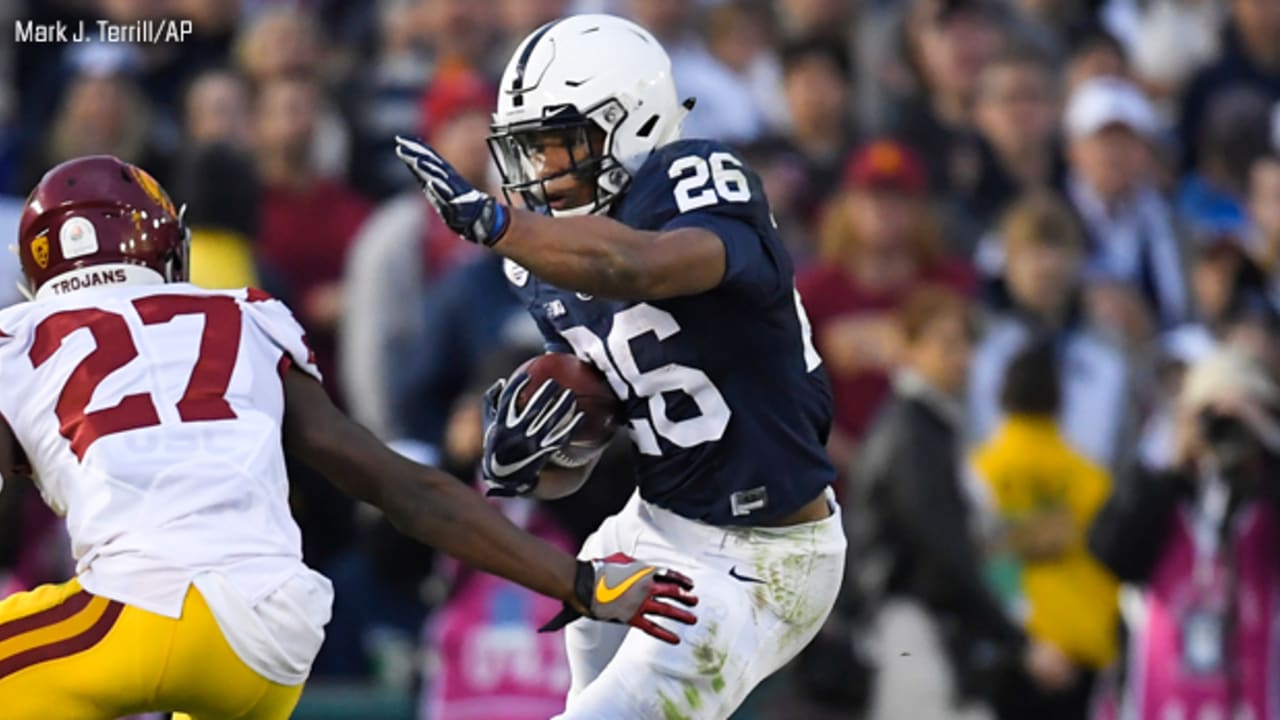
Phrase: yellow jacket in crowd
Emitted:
{"points": [[1046, 494]]}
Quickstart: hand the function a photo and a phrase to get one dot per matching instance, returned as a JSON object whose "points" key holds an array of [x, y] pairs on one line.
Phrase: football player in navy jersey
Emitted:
{"points": [[656, 259]]}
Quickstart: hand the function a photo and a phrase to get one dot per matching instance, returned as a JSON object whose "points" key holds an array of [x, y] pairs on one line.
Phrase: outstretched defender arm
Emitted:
{"points": [[15, 486], [601, 256], [425, 504]]}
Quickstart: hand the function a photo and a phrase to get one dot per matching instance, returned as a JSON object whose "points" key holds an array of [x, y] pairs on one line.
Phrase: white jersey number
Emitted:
{"points": [[626, 378], [728, 183]]}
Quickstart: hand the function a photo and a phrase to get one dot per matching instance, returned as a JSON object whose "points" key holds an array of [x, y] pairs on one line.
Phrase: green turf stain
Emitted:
{"points": [[671, 711], [717, 682], [693, 697]]}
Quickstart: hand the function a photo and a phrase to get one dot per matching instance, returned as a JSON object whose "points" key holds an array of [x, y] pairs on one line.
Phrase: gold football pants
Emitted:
{"points": [[71, 655]]}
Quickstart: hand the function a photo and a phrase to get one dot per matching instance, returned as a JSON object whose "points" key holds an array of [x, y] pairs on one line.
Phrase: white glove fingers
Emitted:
{"points": [[514, 416], [555, 414], [434, 170], [410, 145], [566, 429]]}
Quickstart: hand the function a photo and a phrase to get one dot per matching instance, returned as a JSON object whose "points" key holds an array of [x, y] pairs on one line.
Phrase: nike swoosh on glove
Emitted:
{"points": [[519, 441], [473, 214], [621, 589]]}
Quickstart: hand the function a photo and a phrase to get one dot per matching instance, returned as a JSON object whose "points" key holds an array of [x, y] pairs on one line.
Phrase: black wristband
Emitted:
{"points": [[583, 577]]}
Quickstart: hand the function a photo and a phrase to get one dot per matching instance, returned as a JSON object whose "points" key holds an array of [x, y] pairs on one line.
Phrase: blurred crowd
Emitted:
{"points": [[1039, 246]]}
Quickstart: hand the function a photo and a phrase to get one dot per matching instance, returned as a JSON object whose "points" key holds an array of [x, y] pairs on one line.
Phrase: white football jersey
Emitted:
{"points": [[152, 418]]}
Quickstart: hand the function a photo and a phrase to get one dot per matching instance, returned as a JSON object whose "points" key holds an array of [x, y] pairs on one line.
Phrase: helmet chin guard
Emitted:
{"points": [[594, 81]]}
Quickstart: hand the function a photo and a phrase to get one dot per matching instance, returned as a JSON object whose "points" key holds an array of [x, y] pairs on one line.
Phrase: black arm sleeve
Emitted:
{"points": [[1127, 534]]}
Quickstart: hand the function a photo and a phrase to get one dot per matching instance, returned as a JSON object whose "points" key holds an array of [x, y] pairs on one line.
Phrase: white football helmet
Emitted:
{"points": [[575, 74]]}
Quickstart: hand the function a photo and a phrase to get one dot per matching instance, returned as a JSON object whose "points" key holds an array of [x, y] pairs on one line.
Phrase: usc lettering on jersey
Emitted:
{"points": [[152, 418]]}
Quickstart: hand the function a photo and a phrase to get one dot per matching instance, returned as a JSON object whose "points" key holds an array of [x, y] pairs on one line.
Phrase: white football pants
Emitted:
{"points": [[783, 585]]}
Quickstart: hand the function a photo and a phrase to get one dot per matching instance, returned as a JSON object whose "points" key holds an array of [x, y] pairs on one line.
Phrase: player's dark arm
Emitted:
{"points": [[11, 495], [424, 503], [601, 256]]}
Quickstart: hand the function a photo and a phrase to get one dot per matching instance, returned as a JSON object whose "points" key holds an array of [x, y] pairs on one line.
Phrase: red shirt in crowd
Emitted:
{"points": [[831, 295], [303, 240]]}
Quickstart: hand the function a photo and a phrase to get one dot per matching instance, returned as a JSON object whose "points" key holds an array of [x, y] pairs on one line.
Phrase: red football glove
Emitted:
{"points": [[620, 589]]}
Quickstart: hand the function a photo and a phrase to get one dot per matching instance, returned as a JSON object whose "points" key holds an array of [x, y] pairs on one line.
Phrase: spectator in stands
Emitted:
{"points": [[1220, 271], [1197, 531], [219, 185], [1039, 295], [1045, 494], [399, 254], [738, 37], [307, 222], [1134, 253], [10, 269], [879, 242], [1016, 111], [100, 114], [216, 179], [1211, 197], [816, 76], [382, 98], [823, 18], [948, 42], [218, 110], [1097, 53], [460, 35], [518, 18], [726, 108], [1050, 27], [782, 173], [913, 561], [1264, 219], [1250, 57], [285, 41]]}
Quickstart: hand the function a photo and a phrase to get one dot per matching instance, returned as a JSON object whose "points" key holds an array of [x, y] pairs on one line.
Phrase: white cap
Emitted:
{"points": [[1104, 101]]}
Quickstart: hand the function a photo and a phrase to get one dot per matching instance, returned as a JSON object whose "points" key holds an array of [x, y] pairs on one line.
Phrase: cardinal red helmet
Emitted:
{"points": [[97, 220]]}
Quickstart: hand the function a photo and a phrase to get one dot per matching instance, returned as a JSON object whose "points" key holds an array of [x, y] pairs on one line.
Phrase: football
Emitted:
{"points": [[600, 407]]}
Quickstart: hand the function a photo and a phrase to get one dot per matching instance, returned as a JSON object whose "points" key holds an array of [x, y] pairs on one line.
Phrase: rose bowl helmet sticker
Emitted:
{"points": [[77, 238]]}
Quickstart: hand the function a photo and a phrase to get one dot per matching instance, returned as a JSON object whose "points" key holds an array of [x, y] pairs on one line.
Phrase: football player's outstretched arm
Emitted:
{"points": [[11, 494], [592, 254], [601, 256], [439, 510], [422, 502]]}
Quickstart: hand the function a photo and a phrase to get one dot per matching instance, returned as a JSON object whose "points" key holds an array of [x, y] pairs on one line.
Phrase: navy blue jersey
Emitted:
{"points": [[726, 398]]}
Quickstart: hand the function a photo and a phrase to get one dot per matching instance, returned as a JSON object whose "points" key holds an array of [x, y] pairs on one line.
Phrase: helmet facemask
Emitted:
{"points": [[587, 137]]}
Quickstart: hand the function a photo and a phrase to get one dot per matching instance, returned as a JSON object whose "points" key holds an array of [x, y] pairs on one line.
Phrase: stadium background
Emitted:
{"points": [[1099, 175]]}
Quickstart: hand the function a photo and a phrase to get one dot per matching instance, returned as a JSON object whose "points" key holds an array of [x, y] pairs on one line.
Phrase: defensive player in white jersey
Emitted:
{"points": [[154, 416], [656, 259]]}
